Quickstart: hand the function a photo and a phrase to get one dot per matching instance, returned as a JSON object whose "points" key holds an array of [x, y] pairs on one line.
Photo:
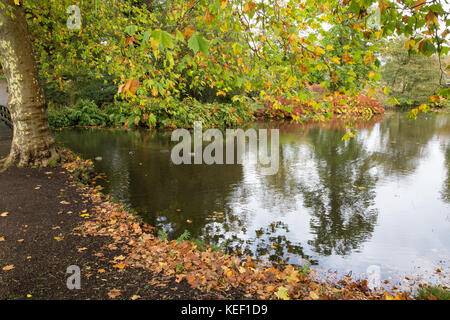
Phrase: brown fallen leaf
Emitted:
{"points": [[114, 293], [4, 214], [135, 297], [81, 249], [2, 239], [20, 240], [7, 268], [65, 202]]}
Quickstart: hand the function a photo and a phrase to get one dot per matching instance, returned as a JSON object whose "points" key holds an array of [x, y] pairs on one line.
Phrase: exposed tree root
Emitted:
{"points": [[29, 159]]}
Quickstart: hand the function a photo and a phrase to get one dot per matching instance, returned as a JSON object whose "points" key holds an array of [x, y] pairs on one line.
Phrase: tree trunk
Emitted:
{"points": [[32, 143]]}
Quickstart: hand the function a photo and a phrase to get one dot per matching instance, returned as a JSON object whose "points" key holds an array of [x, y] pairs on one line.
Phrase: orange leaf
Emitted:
{"points": [[7, 268]]}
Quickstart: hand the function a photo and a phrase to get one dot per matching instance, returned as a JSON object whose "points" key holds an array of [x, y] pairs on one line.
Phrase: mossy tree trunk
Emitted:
{"points": [[33, 143]]}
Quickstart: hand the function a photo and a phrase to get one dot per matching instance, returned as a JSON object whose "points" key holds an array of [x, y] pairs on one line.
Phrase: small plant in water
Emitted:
{"points": [[305, 268]]}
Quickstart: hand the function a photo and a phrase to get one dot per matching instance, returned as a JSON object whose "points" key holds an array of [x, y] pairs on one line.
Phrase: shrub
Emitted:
{"points": [[58, 117], [83, 113], [171, 113], [87, 113]]}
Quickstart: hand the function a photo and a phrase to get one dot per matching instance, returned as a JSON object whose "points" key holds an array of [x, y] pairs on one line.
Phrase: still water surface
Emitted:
{"points": [[382, 198]]}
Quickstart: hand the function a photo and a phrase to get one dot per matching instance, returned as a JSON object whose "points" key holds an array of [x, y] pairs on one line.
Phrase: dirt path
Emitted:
{"points": [[39, 210]]}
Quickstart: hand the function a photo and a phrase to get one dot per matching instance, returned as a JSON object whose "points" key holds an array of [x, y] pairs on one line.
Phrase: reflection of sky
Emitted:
{"points": [[412, 228]]}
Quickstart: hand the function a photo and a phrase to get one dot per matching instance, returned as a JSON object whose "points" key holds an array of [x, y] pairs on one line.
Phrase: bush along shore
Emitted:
{"points": [[182, 114], [121, 257]]}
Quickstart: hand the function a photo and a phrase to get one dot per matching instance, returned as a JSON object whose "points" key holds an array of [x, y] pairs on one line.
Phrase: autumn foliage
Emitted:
{"points": [[331, 104]]}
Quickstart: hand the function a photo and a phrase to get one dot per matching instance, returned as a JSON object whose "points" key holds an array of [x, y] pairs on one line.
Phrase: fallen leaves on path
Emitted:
{"points": [[114, 293], [9, 267]]}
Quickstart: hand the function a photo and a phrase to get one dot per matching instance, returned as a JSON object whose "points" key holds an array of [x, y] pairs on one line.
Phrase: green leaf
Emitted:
{"points": [[179, 36], [130, 30], [198, 43], [146, 35], [164, 38]]}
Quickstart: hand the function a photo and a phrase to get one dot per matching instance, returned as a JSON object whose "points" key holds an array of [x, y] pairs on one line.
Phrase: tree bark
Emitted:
{"points": [[33, 143]]}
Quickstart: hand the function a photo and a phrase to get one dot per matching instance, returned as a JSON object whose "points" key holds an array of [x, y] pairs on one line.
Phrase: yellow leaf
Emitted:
{"points": [[282, 293], [17, 2], [319, 50], [335, 60], [387, 296], [314, 295], [224, 3], [410, 44], [4, 214]]}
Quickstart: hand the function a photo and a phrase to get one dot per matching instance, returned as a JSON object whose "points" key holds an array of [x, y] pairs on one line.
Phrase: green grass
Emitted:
{"points": [[425, 292]]}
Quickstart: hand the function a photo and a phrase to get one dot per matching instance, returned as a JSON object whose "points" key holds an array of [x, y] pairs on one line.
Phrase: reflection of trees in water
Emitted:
{"points": [[446, 187], [403, 142], [341, 198], [324, 174], [140, 172], [443, 131], [319, 176]]}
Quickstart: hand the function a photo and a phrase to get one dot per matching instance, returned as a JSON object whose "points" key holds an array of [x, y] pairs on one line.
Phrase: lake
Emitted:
{"points": [[381, 198]]}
